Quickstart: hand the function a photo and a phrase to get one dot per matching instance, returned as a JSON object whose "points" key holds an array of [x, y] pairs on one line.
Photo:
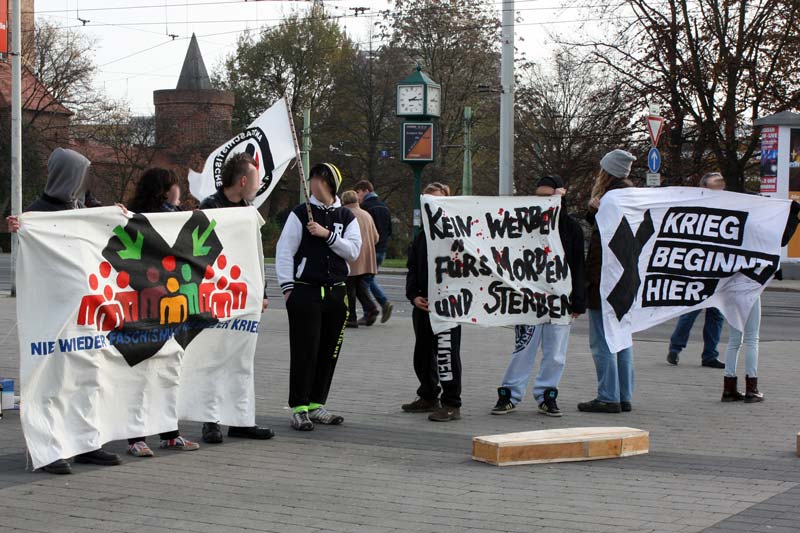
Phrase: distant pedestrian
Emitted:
{"points": [[554, 338], [437, 358], [712, 329], [365, 266], [383, 222], [311, 264], [614, 370]]}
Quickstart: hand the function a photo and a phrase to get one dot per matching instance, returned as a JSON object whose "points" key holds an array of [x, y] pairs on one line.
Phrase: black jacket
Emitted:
{"points": [[382, 218], [48, 203], [417, 264], [572, 241], [219, 200]]}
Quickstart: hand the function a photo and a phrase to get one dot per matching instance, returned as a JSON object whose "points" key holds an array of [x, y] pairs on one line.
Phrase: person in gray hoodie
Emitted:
{"points": [[65, 190]]}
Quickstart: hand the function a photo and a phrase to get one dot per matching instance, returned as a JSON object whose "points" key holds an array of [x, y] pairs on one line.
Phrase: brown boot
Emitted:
{"points": [[751, 394], [729, 393]]}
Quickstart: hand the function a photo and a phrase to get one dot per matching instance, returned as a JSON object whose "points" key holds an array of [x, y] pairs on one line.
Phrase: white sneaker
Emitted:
{"points": [[140, 449]]}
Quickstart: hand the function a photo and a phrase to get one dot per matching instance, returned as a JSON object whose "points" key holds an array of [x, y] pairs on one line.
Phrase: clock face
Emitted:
{"points": [[410, 100], [434, 101]]}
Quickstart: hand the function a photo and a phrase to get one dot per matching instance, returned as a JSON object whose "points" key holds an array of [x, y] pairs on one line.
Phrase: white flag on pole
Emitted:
{"points": [[268, 139]]}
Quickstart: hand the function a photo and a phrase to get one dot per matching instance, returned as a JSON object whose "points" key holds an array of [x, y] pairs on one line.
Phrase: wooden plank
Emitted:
{"points": [[559, 445], [798, 444]]}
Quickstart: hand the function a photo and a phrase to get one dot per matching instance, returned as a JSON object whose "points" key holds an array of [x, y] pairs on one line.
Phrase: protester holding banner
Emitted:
{"points": [[365, 266], [67, 172], [383, 222], [432, 352], [316, 243], [554, 338], [749, 338], [158, 191], [712, 328], [240, 184], [614, 370]]}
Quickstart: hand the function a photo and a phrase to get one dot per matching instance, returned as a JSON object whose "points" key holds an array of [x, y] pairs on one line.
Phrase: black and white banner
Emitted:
{"points": [[668, 251], [495, 261]]}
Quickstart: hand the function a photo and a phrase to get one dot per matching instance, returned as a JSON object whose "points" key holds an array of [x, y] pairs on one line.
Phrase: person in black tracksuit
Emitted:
{"points": [[311, 265], [437, 358]]}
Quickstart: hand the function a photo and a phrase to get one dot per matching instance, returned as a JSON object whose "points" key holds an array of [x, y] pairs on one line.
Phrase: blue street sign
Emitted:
{"points": [[654, 160]]}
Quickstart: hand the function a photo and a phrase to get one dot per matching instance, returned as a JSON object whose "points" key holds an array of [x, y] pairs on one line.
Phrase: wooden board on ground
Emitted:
{"points": [[798, 444], [559, 445]]}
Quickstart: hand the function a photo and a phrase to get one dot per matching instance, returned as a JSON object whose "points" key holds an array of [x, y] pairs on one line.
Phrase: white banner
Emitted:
{"points": [[495, 261], [129, 323], [268, 139], [671, 250]]}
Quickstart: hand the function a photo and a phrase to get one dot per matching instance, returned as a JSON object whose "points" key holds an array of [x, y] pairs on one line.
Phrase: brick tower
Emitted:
{"points": [[193, 118]]}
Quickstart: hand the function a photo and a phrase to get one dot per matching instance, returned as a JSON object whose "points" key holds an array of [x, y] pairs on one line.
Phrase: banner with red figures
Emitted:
{"points": [[128, 323]]}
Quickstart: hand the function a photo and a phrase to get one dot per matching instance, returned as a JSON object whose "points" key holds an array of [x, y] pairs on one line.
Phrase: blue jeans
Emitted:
{"points": [[554, 339], [712, 330], [614, 370], [750, 340], [374, 288]]}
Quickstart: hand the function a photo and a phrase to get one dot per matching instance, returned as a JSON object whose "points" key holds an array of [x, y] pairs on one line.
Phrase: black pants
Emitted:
{"points": [[437, 360], [164, 436], [358, 288], [317, 317]]}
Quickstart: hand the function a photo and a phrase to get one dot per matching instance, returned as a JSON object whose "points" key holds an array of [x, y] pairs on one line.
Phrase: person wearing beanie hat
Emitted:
{"points": [[618, 163], [311, 265], [554, 338], [614, 370]]}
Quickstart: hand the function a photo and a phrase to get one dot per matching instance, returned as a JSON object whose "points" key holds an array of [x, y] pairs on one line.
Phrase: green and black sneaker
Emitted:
{"points": [[504, 404], [549, 406]]}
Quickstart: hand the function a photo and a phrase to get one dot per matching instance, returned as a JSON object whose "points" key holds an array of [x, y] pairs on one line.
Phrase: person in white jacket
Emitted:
{"points": [[311, 264]]}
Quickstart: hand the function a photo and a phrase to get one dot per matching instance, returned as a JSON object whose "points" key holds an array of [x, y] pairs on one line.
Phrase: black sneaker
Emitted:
{"points": [[251, 432], [352, 323], [301, 422], [421, 405], [626, 407], [549, 406], [98, 457], [713, 363], [60, 468], [212, 433], [504, 404], [672, 358], [596, 406], [445, 413]]}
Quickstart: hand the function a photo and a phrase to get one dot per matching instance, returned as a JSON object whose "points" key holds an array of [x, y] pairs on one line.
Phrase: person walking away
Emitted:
{"points": [[437, 358], [240, 184], [712, 328], [366, 265], [311, 264], [383, 222], [67, 174], [614, 370], [554, 338], [750, 338]]}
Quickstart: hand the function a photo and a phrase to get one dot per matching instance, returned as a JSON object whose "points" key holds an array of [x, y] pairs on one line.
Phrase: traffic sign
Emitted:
{"points": [[654, 160], [655, 126], [653, 179]]}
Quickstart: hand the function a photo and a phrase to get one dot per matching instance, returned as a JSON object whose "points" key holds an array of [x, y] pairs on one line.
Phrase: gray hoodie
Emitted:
{"points": [[66, 182]]}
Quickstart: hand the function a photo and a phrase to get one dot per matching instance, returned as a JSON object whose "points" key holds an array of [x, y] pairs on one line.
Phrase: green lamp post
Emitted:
{"points": [[419, 101]]}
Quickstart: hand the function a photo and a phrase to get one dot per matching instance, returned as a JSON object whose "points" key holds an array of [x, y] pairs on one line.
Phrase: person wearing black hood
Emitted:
{"points": [[66, 183], [554, 338]]}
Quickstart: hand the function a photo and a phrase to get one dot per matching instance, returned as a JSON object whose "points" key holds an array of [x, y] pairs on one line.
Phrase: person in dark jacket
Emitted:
{"points": [[432, 352], [311, 265], [614, 370], [158, 191], [370, 203], [240, 183], [67, 172], [554, 338]]}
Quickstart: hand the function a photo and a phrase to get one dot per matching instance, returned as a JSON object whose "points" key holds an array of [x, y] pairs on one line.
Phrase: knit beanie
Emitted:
{"points": [[550, 181], [617, 163]]}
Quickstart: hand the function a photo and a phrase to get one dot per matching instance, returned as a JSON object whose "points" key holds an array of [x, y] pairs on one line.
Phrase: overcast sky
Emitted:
{"points": [[136, 55]]}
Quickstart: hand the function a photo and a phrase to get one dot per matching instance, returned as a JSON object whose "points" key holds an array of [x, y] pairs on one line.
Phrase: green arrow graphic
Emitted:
{"points": [[198, 250], [133, 250]]}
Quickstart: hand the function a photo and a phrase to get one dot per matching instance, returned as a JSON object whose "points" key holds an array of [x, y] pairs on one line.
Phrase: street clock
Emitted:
{"points": [[419, 96]]}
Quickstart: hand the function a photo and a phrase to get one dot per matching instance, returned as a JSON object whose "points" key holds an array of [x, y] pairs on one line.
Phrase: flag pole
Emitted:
{"points": [[303, 183]]}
